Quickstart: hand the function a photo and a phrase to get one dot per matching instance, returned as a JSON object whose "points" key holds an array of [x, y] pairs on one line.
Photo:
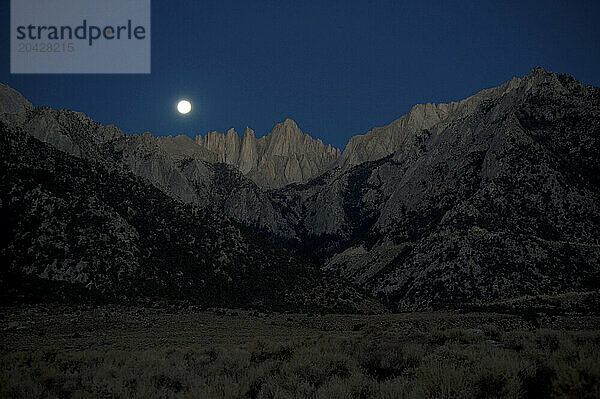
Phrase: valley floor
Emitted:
{"points": [[52, 351]]}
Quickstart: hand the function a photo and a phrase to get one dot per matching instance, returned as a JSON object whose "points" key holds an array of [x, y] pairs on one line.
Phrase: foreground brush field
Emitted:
{"points": [[64, 352]]}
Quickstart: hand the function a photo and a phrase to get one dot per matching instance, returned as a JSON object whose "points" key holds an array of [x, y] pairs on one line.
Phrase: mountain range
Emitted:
{"points": [[493, 197]]}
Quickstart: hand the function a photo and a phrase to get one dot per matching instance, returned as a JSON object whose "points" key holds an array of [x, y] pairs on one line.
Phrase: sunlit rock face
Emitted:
{"points": [[284, 156]]}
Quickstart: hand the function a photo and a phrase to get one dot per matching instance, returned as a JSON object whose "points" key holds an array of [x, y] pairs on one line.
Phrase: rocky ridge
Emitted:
{"points": [[383, 141], [284, 156], [78, 230], [492, 197]]}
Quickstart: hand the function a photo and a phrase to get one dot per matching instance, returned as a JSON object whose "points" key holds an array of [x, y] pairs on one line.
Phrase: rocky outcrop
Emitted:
{"points": [[383, 141], [284, 156]]}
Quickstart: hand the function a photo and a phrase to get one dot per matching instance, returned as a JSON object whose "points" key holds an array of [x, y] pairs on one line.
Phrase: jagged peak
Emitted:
{"points": [[288, 130], [540, 78], [538, 70], [290, 122], [538, 73], [288, 125]]}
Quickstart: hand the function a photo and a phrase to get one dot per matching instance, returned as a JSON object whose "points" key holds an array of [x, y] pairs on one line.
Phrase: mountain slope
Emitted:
{"points": [[77, 230], [498, 201], [492, 197], [177, 166], [501, 203], [384, 141]]}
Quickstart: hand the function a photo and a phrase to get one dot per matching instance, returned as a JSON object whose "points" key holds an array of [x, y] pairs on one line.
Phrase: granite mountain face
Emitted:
{"points": [[78, 230], [493, 197], [499, 202], [284, 156]]}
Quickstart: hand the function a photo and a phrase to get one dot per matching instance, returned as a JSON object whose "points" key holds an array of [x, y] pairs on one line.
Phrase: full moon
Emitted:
{"points": [[184, 107]]}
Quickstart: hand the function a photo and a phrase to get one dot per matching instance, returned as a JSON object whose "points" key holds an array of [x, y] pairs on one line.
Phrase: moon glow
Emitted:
{"points": [[184, 107]]}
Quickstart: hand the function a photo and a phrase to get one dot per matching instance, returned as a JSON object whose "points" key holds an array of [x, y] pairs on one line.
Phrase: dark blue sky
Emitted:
{"points": [[337, 68]]}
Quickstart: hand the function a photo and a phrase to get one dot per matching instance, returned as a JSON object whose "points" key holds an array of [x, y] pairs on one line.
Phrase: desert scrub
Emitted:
{"points": [[434, 358], [440, 336]]}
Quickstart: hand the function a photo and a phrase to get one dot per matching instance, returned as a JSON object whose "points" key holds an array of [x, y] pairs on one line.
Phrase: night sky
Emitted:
{"points": [[336, 68]]}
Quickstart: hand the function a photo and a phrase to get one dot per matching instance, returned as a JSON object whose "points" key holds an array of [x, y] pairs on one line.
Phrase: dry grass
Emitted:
{"points": [[247, 355]]}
